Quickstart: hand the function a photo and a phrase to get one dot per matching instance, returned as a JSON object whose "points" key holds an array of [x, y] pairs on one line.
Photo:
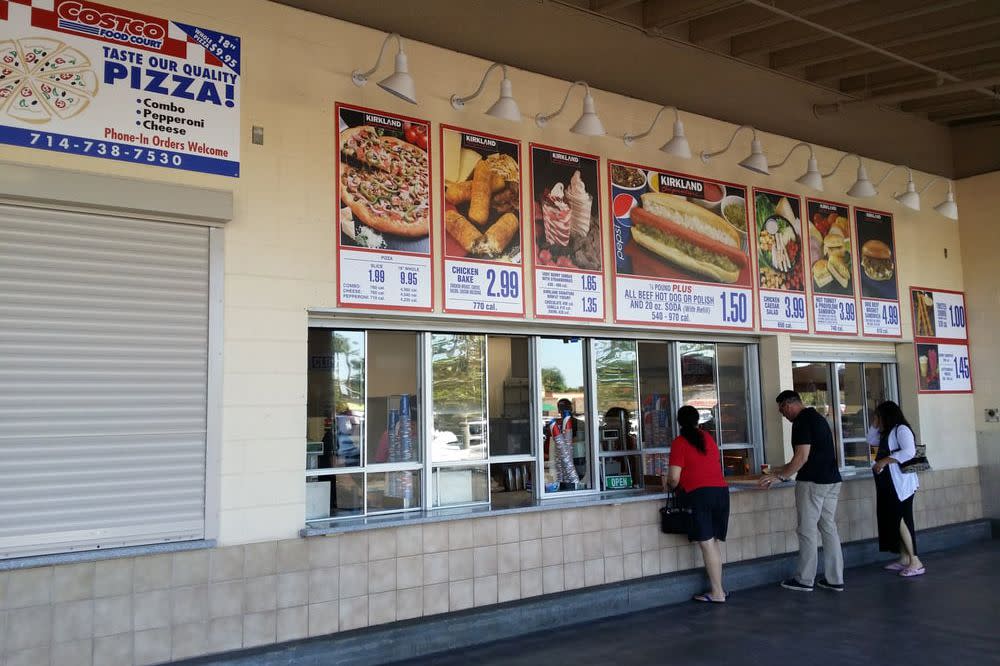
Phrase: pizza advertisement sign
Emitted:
{"points": [[831, 267], [941, 343], [879, 290], [566, 235], [83, 78], [780, 261], [383, 210], [481, 182], [680, 248]]}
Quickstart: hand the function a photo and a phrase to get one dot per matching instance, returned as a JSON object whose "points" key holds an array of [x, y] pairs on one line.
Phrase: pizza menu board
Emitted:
{"points": [[879, 290], [566, 234], [778, 230], [383, 210], [831, 267], [482, 223], [941, 341], [681, 250], [87, 79]]}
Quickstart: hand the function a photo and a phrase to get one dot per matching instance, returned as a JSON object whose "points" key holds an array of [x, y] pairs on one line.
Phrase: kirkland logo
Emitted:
{"points": [[78, 17]]}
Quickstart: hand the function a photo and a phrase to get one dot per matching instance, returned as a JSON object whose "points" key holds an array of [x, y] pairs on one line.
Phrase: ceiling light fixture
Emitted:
{"points": [[504, 108], [678, 144], [756, 161], [910, 197], [862, 187], [399, 83], [948, 207], [812, 178], [589, 123]]}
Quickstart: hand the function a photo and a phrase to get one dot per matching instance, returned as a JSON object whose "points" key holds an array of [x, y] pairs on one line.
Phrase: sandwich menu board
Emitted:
{"points": [[879, 291], [778, 230], [831, 267], [681, 249], [566, 235], [482, 223], [383, 210], [83, 78], [941, 341]]}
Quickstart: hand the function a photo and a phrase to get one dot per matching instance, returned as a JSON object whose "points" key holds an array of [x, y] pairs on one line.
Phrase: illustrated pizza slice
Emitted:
{"points": [[36, 50], [7, 90], [63, 102], [27, 105], [10, 60], [68, 58], [84, 82]]}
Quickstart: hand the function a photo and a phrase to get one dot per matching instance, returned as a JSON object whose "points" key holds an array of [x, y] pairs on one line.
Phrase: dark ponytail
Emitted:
{"points": [[687, 418]]}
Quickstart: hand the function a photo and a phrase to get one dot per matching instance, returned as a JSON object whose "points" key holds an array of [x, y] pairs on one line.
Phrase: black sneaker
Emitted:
{"points": [[794, 584], [825, 584]]}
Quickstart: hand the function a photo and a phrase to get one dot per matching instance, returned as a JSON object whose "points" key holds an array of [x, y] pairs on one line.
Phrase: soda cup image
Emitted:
{"points": [[621, 207]]}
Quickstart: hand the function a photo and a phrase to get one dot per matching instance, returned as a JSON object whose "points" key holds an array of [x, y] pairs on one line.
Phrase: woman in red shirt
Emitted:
{"points": [[696, 470]]}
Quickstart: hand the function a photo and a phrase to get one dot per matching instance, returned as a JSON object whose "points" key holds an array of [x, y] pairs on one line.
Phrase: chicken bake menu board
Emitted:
{"points": [[941, 343]]}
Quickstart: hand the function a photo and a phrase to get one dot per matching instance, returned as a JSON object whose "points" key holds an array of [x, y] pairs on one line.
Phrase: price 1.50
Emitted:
{"points": [[734, 307]]}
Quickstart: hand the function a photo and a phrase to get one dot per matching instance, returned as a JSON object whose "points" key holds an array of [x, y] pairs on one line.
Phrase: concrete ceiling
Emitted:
{"points": [[895, 80]]}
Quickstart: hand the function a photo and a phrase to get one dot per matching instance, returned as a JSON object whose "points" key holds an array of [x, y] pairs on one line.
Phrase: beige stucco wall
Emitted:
{"points": [[279, 248]]}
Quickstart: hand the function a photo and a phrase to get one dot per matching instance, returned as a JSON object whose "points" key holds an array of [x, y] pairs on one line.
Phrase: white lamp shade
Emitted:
{"points": [[756, 161], [589, 123], [678, 144], [909, 198], [505, 107], [812, 178], [400, 83], [862, 187], [948, 207]]}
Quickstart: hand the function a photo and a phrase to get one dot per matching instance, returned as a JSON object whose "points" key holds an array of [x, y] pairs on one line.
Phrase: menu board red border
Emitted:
{"points": [[855, 269], [935, 340], [520, 267], [803, 243], [861, 296], [336, 213]]}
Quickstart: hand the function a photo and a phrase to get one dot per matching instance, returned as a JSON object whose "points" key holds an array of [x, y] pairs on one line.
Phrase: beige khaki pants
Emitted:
{"points": [[816, 504]]}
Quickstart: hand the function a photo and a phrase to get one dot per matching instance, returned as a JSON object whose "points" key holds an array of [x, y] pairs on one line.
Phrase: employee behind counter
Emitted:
{"points": [[561, 435]]}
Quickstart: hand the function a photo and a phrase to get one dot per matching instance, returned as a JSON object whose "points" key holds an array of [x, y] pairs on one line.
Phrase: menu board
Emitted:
{"points": [[941, 341], [481, 223], [681, 249], [879, 291], [383, 210], [780, 259], [566, 235], [831, 267]]}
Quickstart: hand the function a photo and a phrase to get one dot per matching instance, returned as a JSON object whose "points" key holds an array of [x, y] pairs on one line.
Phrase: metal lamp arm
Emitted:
{"points": [[363, 76], [630, 138], [881, 180], [841, 161], [931, 182], [459, 102], [812, 154], [541, 119], [706, 156]]}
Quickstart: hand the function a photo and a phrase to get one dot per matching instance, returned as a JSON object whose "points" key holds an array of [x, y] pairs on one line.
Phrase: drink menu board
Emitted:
{"points": [[383, 210], [941, 341], [780, 259], [566, 234], [681, 249], [831, 267], [481, 223], [879, 290]]}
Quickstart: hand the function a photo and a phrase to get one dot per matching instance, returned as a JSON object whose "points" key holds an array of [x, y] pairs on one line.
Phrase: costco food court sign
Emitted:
{"points": [[89, 79]]}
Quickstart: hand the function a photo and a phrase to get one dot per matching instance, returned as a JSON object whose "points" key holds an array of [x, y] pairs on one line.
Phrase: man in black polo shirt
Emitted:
{"points": [[817, 488]]}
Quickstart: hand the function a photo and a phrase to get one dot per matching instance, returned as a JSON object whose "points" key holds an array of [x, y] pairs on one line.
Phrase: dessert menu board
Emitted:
{"points": [[879, 290], [566, 234], [831, 267], [481, 223], [383, 210], [681, 249], [778, 230], [941, 341], [82, 78]]}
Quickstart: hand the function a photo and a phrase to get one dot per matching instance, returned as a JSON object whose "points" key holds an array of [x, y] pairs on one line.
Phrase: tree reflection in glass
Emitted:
{"points": [[459, 397]]}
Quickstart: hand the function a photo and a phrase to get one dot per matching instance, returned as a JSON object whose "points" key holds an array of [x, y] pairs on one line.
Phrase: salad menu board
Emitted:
{"points": [[482, 223], [566, 234], [941, 341], [780, 261], [681, 249], [831, 267], [879, 291]]}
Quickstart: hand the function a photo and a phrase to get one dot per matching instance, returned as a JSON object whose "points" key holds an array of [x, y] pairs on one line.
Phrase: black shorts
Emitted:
{"points": [[710, 513]]}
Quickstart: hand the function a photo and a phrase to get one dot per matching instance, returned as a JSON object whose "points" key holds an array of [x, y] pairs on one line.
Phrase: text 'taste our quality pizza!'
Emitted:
{"points": [[42, 79]]}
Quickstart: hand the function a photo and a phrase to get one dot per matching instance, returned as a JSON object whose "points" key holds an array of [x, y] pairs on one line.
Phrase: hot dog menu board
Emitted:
{"points": [[879, 293], [681, 249], [566, 235], [941, 341], [481, 223], [778, 230], [831, 267], [383, 210]]}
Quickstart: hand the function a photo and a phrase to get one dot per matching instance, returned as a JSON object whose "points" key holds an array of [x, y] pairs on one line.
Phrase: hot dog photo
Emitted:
{"points": [[678, 227]]}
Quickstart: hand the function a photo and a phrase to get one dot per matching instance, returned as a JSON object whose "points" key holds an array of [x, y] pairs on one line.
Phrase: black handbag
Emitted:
{"points": [[675, 517], [918, 463]]}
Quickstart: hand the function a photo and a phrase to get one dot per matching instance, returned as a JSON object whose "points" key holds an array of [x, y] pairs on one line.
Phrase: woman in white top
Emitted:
{"points": [[894, 489]]}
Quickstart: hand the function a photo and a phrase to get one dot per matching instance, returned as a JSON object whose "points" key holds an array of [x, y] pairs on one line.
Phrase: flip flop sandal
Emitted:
{"points": [[910, 573], [708, 598], [895, 566]]}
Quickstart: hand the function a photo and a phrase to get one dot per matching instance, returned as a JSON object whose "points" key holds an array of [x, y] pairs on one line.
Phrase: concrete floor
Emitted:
{"points": [[951, 615]]}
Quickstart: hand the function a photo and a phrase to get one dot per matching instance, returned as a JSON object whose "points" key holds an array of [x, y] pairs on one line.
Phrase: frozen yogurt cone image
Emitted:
{"points": [[556, 214], [580, 203]]}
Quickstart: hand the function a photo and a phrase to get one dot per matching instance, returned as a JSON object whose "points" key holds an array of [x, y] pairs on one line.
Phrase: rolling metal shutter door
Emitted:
{"points": [[851, 351], [103, 381]]}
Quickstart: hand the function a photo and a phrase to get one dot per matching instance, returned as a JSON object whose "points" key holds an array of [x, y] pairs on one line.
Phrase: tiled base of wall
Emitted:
{"points": [[154, 609]]}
